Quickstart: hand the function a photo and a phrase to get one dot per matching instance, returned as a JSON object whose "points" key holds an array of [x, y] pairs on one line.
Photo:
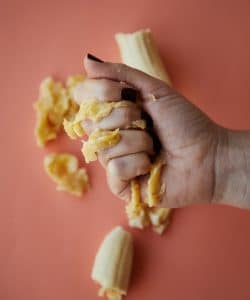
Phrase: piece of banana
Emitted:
{"points": [[54, 104], [137, 210], [138, 50], [64, 169], [93, 110], [99, 140], [155, 189], [113, 263]]}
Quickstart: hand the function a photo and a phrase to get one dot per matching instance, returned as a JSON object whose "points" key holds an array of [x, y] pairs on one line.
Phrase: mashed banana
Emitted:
{"points": [[99, 140], [53, 105], [93, 110], [136, 210], [63, 169], [154, 188], [140, 215]]}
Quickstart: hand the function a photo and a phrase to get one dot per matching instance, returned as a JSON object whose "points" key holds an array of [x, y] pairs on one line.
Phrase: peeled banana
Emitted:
{"points": [[113, 263], [138, 50]]}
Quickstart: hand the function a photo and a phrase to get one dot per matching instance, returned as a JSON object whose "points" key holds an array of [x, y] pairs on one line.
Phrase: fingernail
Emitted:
{"points": [[129, 94], [92, 57]]}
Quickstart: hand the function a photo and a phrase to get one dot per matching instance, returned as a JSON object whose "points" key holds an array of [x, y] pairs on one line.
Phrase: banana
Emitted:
{"points": [[99, 140], [138, 50], [64, 170], [159, 218], [54, 104], [135, 209], [113, 263], [93, 110], [154, 188]]}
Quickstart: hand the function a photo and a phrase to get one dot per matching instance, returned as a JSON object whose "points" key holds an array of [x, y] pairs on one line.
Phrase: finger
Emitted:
{"points": [[132, 141], [104, 90], [120, 171], [121, 118], [120, 72]]}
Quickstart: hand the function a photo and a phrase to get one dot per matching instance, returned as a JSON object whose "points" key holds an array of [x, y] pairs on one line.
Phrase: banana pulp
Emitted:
{"points": [[99, 140], [93, 110], [64, 170], [113, 263], [53, 105], [138, 50]]}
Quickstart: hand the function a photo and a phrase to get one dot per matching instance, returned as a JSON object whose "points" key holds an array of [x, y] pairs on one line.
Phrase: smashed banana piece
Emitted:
{"points": [[113, 263], [93, 110], [135, 209], [99, 140], [64, 170], [140, 215], [54, 104], [159, 218], [138, 50], [154, 188], [141, 124]]}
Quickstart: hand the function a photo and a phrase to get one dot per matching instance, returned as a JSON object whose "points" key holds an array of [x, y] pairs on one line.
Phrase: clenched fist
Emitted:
{"points": [[189, 140]]}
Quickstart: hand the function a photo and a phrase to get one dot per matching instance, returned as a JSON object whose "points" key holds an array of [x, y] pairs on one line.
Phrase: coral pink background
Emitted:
{"points": [[49, 239]]}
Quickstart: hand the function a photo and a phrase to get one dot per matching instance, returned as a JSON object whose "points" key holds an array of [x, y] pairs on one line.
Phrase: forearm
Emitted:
{"points": [[232, 169]]}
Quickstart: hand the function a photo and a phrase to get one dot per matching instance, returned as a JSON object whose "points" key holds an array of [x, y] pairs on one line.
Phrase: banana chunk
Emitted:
{"points": [[64, 170], [53, 105], [113, 263], [154, 188], [138, 50], [137, 210], [141, 124], [140, 215], [94, 110], [99, 140], [159, 218]]}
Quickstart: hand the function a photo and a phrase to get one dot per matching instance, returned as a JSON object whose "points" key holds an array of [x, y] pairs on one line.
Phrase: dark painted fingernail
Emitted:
{"points": [[92, 57], [129, 94]]}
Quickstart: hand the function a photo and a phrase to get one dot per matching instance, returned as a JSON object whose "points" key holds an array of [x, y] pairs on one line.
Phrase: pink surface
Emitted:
{"points": [[49, 239]]}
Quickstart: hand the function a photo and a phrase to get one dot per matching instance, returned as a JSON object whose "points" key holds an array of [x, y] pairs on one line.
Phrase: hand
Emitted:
{"points": [[188, 137]]}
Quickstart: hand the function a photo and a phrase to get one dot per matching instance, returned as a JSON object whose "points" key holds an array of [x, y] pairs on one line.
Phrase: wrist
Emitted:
{"points": [[232, 168]]}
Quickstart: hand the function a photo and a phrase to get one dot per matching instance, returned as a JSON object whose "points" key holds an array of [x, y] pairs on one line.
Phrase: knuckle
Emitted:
{"points": [[130, 114], [118, 67], [115, 167], [105, 87], [143, 166], [77, 91], [145, 138]]}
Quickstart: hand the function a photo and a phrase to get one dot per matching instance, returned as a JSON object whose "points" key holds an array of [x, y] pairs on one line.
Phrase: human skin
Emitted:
{"points": [[204, 162]]}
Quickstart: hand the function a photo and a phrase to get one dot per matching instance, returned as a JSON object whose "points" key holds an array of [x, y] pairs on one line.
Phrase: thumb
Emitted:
{"points": [[149, 87]]}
